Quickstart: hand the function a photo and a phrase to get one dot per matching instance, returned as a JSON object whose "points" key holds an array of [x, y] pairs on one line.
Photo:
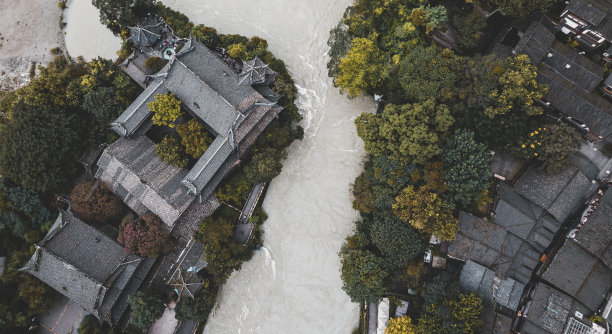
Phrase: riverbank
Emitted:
{"points": [[28, 31]]}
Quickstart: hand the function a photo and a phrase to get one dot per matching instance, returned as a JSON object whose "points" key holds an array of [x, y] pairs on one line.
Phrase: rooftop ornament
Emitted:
{"points": [[253, 72], [145, 36]]}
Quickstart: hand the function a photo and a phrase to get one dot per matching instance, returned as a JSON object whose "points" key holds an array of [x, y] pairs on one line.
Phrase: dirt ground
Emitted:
{"points": [[29, 29]]}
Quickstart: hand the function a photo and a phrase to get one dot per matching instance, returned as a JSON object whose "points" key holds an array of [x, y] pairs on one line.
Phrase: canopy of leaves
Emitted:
{"points": [[170, 151], [400, 325], [194, 138], [146, 306], [443, 286], [363, 275], [519, 8], [154, 64], [116, 14], [459, 315], [197, 308], [430, 72], [96, 204], [144, 236], [26, 203], [553, 145], [360, 70], [264, 166], [36, 294], [396, 240], [363, 196], [103, 104], [411, 132], [166, 108], [426, 212], [339, 45], [179, 22], [468, 167], [91, 325]]}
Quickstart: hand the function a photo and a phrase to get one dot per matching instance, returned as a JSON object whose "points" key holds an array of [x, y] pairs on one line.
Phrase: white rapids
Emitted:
{"points": [[292, 285]]}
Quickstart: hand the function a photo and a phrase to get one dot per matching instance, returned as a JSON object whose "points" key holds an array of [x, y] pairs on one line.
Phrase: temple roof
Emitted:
{"points": [[146, 34], [254, 72], [88, 267]]}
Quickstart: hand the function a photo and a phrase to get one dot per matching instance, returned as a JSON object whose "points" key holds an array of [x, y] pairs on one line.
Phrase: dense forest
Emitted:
{"points": [[49, 125], [429, 146]]}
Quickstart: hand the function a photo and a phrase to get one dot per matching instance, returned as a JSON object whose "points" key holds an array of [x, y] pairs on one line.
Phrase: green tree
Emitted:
{"points": [[443, 286], [91, 325], [103, 104], [363, 196], [166, 109], [430, 72], [400, 325], [360, 70], [194, 138], [264, 166], [468, 167], [37, 295], [147, 306], [410, 133], [553, 145], [363, 275], [170, 151], [96, 205], [426, 212], [117, 14], [339, 43], [198, 308], [39, 147], [396, 240], [207, 35], [154, 64], [470, 28], [520, 8], [459, 315]]}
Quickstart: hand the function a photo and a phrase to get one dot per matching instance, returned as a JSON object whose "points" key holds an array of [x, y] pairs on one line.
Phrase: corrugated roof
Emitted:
{"points": [[134, 116], [590, 11], [577, 69], [536, 41]]}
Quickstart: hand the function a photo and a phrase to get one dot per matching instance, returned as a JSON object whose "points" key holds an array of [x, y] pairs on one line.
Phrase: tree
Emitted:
{"points": [[91, 325], [363, 275], [170, 151], [396, 240], [36, 294], [443, 286], [468, 167], [207, 35], [144, 236], [147, 306], [363, 196], [469, 28], [519, 8], [400, 325], [103, 104], [409, 133], [26, 202], [339, 43], [117, 14], [95, 204], [194, 138], [198, 308], [166, 109], [426, 212], [430, 73], [360, 70], [553, 145], [265, 165], [154, 64], [459, 315], [39, 147]]}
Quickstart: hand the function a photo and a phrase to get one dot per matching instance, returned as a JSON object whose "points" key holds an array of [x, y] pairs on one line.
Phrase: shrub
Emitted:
{"points": [[154, 64], [95, 205], [91, 325], [264, 166], [146, 308], [170, 151]]}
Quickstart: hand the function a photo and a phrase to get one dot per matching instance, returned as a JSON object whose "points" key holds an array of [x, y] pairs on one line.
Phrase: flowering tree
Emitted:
{"points": [[144, 236]]}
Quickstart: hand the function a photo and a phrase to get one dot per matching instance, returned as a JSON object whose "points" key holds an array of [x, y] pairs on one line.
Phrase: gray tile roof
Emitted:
{"points": [[536, 41], [85, 265], [136, 114], [596, 234], [144, 182], [580, 274], [579, 70], [560, 194], [477, 278], [588, 10]]}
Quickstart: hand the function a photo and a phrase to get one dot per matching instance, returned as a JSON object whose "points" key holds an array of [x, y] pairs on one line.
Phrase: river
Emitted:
{"points": [[293, 284]]}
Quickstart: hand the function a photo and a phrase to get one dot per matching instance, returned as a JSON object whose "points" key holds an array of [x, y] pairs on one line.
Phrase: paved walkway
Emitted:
{"points": [[63, 318], [166, 324]]}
